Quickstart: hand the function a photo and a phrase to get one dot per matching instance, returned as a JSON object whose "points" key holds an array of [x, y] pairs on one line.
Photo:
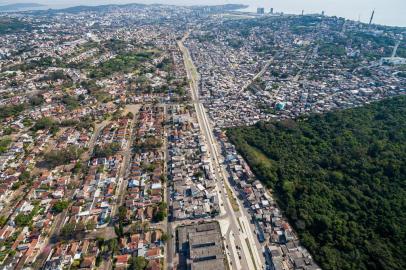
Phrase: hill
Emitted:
{"points": [[341, 180], [20, 7], [112, 7]]}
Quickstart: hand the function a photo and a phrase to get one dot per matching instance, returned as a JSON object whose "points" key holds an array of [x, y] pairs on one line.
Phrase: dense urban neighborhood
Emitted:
{"points": [[124, 141]]}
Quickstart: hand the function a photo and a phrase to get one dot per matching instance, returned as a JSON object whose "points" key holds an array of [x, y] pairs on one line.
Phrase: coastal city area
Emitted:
{"points": [[114, 151]]}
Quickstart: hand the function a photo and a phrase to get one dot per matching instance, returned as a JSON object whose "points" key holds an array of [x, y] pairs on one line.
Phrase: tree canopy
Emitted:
{"points": [[59, 206], [106, 150], [11, 110], [138, 263], [341, 180], [125, 62], [62, 157], [4, 144]]}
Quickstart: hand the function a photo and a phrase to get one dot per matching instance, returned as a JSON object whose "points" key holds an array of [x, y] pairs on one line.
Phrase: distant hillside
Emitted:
{"points": [[110, 7], [20, 7], [100, 8], [83, 8], [341, 180]]}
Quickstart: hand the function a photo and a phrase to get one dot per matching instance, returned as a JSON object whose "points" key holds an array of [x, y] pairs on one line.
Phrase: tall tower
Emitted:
{"points": [[372, 16], [395, 48]]}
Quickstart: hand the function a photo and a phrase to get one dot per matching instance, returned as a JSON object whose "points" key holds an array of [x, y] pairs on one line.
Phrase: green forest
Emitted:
{"points": [[340, 178], [121, 63]]}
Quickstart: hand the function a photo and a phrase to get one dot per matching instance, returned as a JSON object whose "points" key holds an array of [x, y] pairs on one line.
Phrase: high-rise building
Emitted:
{"points": [[260, 10], [271, 11]]}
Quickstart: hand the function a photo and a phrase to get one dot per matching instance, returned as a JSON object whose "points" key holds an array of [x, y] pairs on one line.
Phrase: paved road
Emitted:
{"points": [[127, 154], [258, 75], [60, 219], [235, 227], [170, 226], [50, 241]]}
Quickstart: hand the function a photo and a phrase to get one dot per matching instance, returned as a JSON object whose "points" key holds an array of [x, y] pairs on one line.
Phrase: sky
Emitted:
{"points": [[388, 12]]}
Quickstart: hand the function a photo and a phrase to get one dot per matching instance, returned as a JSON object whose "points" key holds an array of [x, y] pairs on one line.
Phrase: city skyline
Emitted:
{"points": [[388, 12]]}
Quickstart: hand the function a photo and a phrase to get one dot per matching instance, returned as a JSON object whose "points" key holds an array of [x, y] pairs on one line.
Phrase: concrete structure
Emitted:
{"points": [[200, 246], [260, 10]]}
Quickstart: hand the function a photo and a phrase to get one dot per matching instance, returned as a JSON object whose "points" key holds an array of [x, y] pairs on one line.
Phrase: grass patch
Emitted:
{"points": [[226, 263], [232, 199], [252, 255], [258, 154], [239, 224]]}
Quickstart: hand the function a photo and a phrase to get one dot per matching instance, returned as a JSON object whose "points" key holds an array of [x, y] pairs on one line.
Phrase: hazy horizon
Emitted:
{"points": [[390, 12]]}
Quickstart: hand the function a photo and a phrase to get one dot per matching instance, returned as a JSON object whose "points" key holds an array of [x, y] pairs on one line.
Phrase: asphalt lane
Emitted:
{"points": [[235, 235]]}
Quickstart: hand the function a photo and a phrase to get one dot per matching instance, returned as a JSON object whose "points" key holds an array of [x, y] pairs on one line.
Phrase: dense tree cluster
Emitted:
{"points": [[25, 219], [36, 100], [4, 144], [106, 150], [161, 212], [149, 143], [138, 263], [84, 123], [341, 180], [70, 102], [10, 25], [11, 110], [59, 206], [126, 63], [55, 75], [45, 123], [62, 157], [331, 50], [43, 63]]}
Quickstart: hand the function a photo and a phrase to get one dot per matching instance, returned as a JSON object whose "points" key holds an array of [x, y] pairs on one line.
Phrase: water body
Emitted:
{"points": [[388, 12]]}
